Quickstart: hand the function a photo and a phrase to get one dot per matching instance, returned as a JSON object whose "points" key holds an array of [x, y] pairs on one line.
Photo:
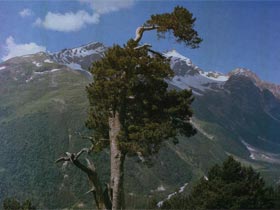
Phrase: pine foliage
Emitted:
{"points": [[229, 186], [14, 204], [180, 22], [133, 83]]}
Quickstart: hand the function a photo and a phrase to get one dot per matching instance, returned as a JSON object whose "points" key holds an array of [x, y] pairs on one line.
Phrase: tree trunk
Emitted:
{"points": [[101, 197], [117, 164]]}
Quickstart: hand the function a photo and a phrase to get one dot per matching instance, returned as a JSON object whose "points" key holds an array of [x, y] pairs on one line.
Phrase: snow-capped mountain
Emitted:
{"points": [[80, 58], [42, 63], [188, 75]]}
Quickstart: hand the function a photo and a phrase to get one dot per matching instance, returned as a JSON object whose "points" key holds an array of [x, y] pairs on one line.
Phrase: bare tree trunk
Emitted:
{"points": [[117, 163], [101, 197], [140, 30]]}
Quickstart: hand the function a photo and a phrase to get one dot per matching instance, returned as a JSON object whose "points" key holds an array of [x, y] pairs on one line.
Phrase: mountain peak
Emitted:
{"points": [[81, 51], [245, 72], [80, 58], [176, 55]]}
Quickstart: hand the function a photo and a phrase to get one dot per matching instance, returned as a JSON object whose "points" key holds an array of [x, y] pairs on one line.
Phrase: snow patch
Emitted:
{"points": [[188, 81], [182, 188], [257, 154], [28, 80], [2, 67], [41, 73], [37, 64], [74, 66], [160, 188], [78, 67], [83, 52], [214, 76], [81, 205], [46, 72], [48, 61], [197, 82], [174, 54]]}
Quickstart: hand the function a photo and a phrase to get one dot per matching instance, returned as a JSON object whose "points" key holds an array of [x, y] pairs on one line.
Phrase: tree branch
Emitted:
{"points": [[92, 140], [157, 53], [140, 30], [98, 193], [146, 45]]}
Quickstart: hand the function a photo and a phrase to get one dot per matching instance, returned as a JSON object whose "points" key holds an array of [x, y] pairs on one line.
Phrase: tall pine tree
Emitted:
{"points": [[131, 109]]}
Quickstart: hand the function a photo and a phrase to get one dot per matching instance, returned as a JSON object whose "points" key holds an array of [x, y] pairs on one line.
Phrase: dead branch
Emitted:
{"points": [[140, 30], [146, 45], [102, 201]]}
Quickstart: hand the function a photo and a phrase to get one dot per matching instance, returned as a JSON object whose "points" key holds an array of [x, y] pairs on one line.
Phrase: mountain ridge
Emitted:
{"points": [[81, 57]]}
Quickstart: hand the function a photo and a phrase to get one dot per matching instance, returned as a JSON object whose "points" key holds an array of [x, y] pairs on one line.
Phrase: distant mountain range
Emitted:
{"points": [[43, 104]]}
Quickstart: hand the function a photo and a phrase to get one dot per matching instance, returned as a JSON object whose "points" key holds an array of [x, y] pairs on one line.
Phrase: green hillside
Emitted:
{"points": [[39, 118]]}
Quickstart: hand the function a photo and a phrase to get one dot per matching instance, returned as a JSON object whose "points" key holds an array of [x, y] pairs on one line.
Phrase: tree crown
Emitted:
{"points": [[180, 22], [229, 186], [132, 82]]}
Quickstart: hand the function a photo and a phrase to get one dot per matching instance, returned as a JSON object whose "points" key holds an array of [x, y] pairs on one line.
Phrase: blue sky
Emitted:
{"points": [[235, 33]]}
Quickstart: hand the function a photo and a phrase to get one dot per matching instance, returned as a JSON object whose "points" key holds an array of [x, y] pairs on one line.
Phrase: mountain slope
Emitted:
{"points": [[43, 104], [240, 102]]}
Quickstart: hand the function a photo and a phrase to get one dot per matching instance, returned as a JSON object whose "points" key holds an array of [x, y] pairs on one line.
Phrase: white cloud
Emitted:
{"points": [[13, 49], [69, 22], [106, 6], [25, 12]]}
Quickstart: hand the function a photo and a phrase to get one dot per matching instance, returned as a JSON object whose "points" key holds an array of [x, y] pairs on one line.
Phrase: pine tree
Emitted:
{"points": [[132, 111], [14, 204], [230, 186]]}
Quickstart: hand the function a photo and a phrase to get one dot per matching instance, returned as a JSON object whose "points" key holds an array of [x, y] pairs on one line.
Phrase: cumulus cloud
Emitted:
{"points": [[13, 49], [69, 22], [25, 12]]}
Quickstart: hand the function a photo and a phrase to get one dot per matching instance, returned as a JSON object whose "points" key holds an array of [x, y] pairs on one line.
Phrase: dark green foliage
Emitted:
{"points": [[180, 22], [27, 205], [11, 204], [133, 83], [230, 186], [14, 204], [277, 197]]}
